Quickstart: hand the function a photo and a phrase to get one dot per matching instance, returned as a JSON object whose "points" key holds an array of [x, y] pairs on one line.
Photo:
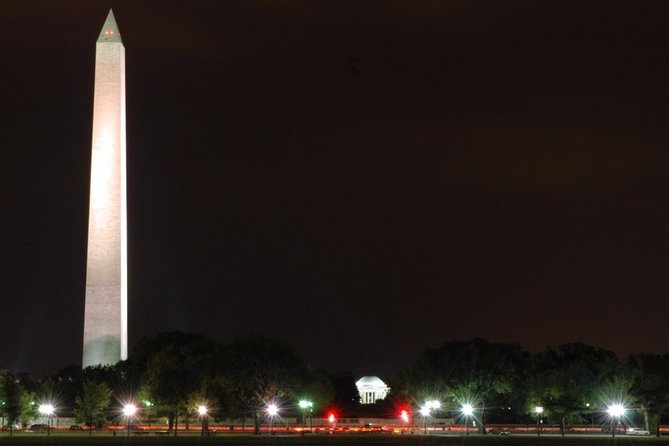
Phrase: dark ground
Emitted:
{"points": [[381, 439]]}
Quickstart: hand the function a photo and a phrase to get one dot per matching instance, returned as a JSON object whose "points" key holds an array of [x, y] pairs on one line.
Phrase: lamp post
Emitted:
{"points": [[615, 411], [425, 412], [592, 416], [129, 410], [404, 416], [538, 411], [332, 419], [202, 412], [272, 411], [436, 405], [304, 405], [467, 410], [148, 405], [47, 410]]}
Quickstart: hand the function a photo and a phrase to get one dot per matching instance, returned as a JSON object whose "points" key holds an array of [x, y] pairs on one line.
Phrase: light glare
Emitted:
{"points": [[46, 409], [129, 410], [434, 404], [616, 410]]}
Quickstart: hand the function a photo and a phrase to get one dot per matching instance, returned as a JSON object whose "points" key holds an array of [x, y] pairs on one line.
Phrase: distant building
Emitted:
{"points": [[371, 389]]}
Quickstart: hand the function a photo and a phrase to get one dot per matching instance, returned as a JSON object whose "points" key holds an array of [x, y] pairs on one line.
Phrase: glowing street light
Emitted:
{"points": [[467, 410], [202, 412], [332, 419], [425, 413], [615, 411], [272, 411], [129, 410], [426, 410], [538, 411], [47, 410], [306, 405], [148, 405]]}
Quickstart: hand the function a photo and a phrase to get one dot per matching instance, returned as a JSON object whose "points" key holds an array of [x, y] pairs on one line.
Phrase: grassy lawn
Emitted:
{"points": [[63, 439]]}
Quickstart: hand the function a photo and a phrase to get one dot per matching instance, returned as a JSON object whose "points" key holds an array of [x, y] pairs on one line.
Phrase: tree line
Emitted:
{"points": [[570, 383], [171, 374]]}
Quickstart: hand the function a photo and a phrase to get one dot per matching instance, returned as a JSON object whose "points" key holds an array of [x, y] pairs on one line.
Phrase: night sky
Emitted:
{"points": [[361, 179]]}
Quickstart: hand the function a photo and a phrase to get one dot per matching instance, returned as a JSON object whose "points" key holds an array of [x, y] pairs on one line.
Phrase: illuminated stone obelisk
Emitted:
{"points": [[106, 320]]}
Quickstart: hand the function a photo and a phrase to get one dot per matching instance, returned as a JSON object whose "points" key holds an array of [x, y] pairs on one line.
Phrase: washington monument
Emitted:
{"points": [[106, 313]]}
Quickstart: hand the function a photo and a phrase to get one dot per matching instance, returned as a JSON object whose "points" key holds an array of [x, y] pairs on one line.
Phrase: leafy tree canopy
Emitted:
{"points": [[92, 404]]}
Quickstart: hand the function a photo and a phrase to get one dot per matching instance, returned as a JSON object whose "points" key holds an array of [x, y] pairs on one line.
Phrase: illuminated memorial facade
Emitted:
{"points": [[105, 318], [371, 389]]}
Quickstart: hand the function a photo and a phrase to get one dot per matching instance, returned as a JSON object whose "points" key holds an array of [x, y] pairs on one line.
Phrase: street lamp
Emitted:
{"points": [[304, 405], [129, 410], [406, 418], [592, 415], [272, 411], [202, 412], [47, 410], [425, 413], [148, 405], [467, 410], [615, 411], [538, 411], [433, 405], [332, 419]]}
